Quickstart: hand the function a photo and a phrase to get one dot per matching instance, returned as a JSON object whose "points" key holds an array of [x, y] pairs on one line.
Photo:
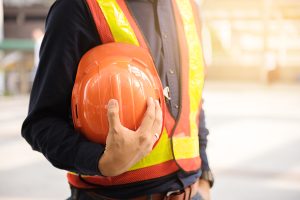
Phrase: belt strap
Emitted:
{"points": [[185, 194]]}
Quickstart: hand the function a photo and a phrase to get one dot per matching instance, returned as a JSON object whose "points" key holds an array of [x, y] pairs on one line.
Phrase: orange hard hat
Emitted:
{"points": [[113, 71]]}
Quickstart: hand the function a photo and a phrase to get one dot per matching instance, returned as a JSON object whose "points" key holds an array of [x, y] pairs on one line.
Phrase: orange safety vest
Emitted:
{"points": [[178, 147]]}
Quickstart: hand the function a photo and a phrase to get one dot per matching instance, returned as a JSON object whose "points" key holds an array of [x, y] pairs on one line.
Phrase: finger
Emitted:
{"points": [[157, 124], [149, 117], [113, 114]]}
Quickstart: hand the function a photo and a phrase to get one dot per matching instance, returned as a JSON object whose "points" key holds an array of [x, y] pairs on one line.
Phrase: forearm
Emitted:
{"points": [[204, 184], [48, 127], [61, 145], [203, 133]]}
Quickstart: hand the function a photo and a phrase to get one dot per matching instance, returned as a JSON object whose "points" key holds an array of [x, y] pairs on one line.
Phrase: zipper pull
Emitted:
{"points": [[166, 93]]}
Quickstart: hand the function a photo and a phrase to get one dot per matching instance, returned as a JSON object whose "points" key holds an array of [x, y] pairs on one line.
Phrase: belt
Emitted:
{"points": [[185, 194]]}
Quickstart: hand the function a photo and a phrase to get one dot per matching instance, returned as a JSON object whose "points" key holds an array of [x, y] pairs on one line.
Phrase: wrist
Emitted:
{"points": [[204, 183], [208, 177], [106, 166], [204, 189], [102, 163]]}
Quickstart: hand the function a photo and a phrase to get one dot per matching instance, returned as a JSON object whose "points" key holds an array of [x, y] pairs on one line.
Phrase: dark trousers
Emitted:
{"points": [[82, 195]]}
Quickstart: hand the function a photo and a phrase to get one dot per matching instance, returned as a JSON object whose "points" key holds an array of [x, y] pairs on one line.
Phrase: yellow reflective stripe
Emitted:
{"points": [[162, 152], [188, 147], [118, 23], [73, 173]]}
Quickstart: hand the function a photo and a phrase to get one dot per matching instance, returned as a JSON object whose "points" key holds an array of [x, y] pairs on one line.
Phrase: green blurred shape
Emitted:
{"points": [[17, 44]]}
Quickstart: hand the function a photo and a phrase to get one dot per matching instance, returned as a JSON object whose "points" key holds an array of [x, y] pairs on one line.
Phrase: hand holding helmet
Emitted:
{"points": [[125, 147], [119, 80]]}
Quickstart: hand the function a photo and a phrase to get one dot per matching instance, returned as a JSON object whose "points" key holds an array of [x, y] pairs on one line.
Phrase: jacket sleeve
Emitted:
{"points": [[48, 128], [203, 133]]}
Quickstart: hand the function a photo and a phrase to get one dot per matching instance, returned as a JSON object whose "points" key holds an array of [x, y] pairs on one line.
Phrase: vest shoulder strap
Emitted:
{"points": [[100, 22], [115, 23]]}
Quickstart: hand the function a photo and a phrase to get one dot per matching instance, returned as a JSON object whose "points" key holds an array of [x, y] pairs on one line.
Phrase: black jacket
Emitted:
{"points": [[70, 32]]}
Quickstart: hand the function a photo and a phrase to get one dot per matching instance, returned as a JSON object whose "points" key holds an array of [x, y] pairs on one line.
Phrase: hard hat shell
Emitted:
{"points": [[113, 71]]}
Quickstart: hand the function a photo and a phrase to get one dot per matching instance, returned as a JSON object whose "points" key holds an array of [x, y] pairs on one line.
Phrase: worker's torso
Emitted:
{"points": [[157, 22]]}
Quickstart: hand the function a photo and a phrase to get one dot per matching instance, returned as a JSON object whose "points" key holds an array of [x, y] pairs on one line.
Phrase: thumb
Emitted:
{"points": [[113, 114]]}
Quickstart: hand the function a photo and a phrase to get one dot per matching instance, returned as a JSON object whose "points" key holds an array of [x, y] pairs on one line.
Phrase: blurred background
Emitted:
{"points": [[252, 99]]}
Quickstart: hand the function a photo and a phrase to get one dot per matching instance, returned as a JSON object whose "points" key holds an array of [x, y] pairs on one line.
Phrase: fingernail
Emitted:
{"points": [[150, 100], [112, 103]]}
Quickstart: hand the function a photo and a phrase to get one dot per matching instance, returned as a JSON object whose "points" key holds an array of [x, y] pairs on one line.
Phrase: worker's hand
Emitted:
{"points": [[125, 147], [204, 189]]}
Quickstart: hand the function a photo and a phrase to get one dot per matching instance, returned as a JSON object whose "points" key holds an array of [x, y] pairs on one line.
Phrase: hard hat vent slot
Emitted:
{"points": [[76, 112]]}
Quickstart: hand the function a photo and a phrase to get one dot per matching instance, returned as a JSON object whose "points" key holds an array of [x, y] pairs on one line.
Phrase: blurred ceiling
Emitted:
{"points": [[21, 3], [288, 9]]}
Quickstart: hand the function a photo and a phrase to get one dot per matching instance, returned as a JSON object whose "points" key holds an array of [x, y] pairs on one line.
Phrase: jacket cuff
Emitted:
{"points": [[203, 155], [87, 158]]}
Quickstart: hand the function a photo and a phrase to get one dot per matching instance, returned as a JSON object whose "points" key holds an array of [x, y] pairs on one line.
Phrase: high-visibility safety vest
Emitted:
{"points": [[178, 147]]}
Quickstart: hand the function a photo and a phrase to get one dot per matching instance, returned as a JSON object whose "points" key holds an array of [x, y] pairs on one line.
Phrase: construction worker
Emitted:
{"points": [[153, 164]]}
